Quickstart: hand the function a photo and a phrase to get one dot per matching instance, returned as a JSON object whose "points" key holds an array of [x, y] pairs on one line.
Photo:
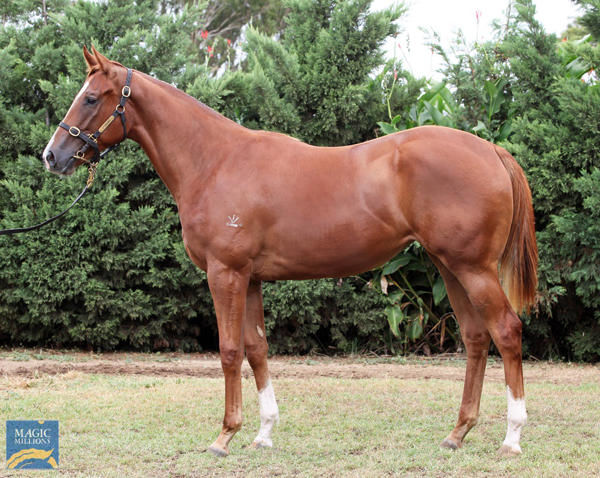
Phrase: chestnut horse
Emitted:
{"points": [[258, 206]]}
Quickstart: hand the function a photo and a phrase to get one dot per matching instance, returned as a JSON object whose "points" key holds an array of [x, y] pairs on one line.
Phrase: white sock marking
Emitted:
{"points": [[269, 415], [516, 418]]}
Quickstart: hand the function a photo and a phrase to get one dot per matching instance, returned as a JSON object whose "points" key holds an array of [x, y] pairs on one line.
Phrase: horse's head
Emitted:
{"points": [[88, 128]]}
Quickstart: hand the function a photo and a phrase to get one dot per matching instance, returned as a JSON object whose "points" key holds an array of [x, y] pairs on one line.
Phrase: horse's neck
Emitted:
{"points": [[180, 136]]}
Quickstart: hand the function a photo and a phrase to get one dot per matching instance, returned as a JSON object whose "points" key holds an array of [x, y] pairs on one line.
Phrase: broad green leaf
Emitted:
{"points": [[416, 265], [436, 115], [449, 100], [439, 291], [396, 264], [480, 127], [396, 119], [505, 131], [415, 327], [395, 316], [386, 128], [434, 90]]}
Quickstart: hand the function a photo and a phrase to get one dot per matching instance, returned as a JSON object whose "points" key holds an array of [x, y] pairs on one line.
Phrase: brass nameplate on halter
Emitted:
{"points": [[106, 124]]}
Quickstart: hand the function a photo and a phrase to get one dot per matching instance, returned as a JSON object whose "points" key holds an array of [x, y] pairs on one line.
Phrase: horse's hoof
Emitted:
{"points": [[217, 451], [450, 444], [255, 445], [507, 450]]}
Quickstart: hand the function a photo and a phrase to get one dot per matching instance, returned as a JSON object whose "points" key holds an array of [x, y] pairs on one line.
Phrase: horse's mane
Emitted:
{"points": [[185, 96]]}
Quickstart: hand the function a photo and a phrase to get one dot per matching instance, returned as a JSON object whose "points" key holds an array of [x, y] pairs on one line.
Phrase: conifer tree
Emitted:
{"points": [[113, 272], [315, 82]]}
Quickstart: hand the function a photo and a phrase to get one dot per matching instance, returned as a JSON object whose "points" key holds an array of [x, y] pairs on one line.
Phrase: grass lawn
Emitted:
{"points": [[144, 426]]}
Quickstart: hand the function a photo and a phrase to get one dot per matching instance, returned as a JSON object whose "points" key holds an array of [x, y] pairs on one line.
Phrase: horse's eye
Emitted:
{"points": [[90, 100]]}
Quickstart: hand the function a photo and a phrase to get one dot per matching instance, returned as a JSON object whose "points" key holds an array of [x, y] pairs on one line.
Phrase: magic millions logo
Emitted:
{"points": [[32, 444]]}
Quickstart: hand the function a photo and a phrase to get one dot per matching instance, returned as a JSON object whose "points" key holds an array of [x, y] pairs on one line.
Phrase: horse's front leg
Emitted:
{"points": [[229, 288]]}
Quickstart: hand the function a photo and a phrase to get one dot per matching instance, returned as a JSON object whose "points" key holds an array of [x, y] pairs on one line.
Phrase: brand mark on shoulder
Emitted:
{"points": [[234, 221]]}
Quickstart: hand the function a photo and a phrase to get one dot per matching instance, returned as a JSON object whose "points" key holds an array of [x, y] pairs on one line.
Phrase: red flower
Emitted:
{"points": [[209, 49], [395, 74], [228, 42], [204, 34], [477, 15]]}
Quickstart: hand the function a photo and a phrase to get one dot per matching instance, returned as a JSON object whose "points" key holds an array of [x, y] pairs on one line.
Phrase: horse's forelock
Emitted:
{"points": [[96, 67], [92, 69]]}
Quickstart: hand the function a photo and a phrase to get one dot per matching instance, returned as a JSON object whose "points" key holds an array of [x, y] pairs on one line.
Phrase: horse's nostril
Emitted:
{"points": [[50, 158]]}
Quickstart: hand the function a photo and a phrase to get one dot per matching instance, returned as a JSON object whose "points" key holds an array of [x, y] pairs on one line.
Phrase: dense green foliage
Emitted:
{"points": [[313, 82], [557, 123], [539, 97], [554, 107], [114, 274]]}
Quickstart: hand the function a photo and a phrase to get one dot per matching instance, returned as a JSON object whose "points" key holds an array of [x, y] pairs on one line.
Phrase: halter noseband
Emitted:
{"points": [[91, 139]]}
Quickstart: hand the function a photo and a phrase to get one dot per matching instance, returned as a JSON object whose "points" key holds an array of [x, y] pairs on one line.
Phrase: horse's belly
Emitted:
{"points": [[330, 251]]}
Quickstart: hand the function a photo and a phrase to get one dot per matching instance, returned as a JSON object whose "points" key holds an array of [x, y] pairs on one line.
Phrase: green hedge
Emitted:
{"points": [[113, 273]]}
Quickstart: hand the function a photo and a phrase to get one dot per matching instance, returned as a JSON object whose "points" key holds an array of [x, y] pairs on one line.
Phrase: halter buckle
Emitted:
{"points": [[120, 108], [74, 131], [80, 155], [126, 92]]}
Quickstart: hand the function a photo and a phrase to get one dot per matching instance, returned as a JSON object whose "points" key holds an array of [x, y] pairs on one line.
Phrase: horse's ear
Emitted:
{"points": [[89, 59], [103, 63]]}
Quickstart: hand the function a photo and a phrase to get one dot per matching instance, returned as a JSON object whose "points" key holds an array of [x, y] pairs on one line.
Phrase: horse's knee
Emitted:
{"points": [[231, 357]]}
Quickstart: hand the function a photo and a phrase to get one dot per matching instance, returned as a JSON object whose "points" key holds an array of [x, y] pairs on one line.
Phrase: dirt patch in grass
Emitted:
{"points": [[19, 363]]}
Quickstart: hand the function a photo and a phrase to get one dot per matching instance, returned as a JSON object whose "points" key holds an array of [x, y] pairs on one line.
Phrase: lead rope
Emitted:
{"points": [[88, 185]]}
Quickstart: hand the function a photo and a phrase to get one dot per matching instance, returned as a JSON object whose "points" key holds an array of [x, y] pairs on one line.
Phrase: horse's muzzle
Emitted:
{"points": [[62, 165]]}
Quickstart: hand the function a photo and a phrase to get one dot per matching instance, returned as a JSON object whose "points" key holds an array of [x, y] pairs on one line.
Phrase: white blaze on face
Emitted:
{"points": [[269, 415], [51, 142], [516, 418]]}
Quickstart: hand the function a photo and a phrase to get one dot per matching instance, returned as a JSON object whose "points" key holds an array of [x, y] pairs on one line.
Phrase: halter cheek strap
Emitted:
{"points": [[91, 139]]}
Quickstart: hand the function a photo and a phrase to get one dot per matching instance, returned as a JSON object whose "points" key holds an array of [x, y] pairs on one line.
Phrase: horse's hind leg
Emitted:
{"points": [[255, 341], [477, 342], [487, 297]]}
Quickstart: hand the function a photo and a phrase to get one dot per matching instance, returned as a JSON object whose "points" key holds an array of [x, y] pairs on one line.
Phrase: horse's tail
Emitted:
{"points": [[518, 265]]}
